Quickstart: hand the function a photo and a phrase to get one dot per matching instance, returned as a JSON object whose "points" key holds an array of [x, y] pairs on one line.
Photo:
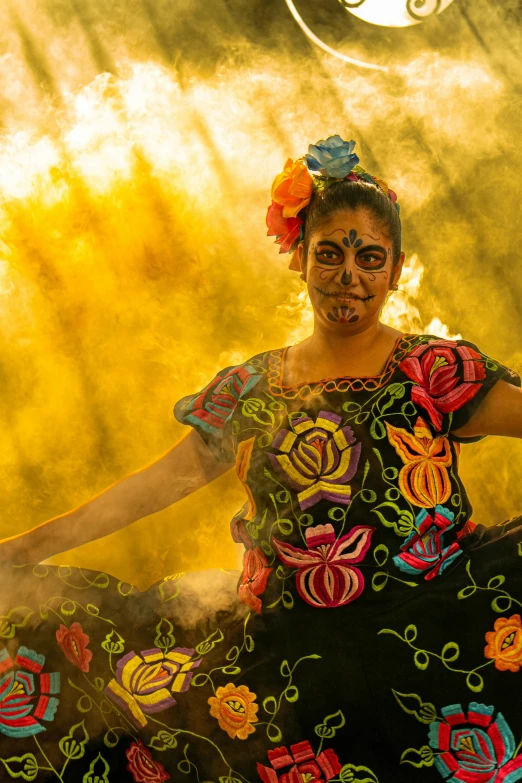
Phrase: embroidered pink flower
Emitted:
{"points": [[254, 577], [439, 387], [73, 642], [326, 577], [303, 765], [318, 458]]}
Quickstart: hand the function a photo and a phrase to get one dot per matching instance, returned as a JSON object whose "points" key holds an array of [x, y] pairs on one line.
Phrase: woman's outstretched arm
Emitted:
{"points": [[500, 413], [185, 468]]}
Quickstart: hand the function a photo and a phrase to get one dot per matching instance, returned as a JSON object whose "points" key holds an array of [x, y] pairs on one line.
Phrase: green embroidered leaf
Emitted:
{"points": [[520, 548], [502, 603], [25, 767], [16, 618], [273, 733], [466, 592], [287, 599], [352, 774], [113, 643], [163, 740], [270, 705], [450, 652], [99, 683], [307, 519], [380, 554], [400, 520], [97, 772], [291, 693], [412, 704], [94, 611], [377, 429], [327, 729], [421, 659], [216, 637], [410, 633], [110, 738], [368, 495], [40, 571], [475, 681], [283, 496], [285, 526], [228, 779], [125, 588], [495, 582], [379, 580], [164, 636], [418, 758], [73, 744], [68, 607], [101, 581]]}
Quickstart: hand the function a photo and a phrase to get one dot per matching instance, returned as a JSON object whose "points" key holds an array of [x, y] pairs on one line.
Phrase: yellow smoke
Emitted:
{"points": [[134, 264]]}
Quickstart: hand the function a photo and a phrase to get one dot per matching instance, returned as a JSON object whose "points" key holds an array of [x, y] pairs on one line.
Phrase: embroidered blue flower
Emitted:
{"points": [[332, 158]]}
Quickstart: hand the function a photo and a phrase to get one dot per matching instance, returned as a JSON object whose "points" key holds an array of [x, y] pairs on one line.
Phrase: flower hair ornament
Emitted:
{"points": [[328, 161]]}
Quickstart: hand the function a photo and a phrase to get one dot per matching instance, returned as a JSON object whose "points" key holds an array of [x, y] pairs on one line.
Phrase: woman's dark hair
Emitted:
{"points": [[351, 195]]}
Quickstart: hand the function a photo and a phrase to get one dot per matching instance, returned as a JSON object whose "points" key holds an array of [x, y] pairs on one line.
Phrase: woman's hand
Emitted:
{"points": [[500, 413], [188, 466]]}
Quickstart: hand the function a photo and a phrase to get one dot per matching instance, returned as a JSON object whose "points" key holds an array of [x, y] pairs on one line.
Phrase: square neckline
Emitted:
{"points": [[284, 351]]}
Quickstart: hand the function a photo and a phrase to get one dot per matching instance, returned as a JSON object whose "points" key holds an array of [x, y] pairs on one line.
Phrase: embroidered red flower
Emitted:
{"points": [[254, 577], [325, 576], [439, 385], [303, 765], [73, 642], [142, 766]]}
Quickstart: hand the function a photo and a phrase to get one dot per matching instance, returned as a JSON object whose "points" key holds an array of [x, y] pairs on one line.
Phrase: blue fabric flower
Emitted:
{"points": [[333, 157]]}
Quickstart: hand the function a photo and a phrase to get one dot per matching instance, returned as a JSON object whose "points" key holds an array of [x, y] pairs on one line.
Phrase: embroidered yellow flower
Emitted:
{"points": [[234, 708], [424, 479], [504, 644]]}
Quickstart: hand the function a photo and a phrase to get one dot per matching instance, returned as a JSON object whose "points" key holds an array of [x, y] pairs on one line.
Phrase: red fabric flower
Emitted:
{"points": [[285, 229], [304, 765], [142, 766], [254, 578], [74, 643], [439, 386]]}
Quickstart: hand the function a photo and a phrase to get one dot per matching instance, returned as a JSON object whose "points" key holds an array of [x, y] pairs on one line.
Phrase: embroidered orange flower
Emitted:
{"points": [[74, 645], [292, 188], [424, 479], [504, 644], [235, 710]]}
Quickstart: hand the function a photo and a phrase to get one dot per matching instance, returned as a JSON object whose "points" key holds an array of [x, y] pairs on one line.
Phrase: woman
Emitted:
{"points": [[380, 637]]}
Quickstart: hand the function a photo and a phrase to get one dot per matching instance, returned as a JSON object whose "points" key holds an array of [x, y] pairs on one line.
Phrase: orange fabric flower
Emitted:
{"points": [[424, 479], [234, 708], [504, 644], [292, 188]]}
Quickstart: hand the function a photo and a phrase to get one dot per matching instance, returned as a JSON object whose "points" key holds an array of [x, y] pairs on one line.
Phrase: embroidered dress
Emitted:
{"points": [[376, 635]]}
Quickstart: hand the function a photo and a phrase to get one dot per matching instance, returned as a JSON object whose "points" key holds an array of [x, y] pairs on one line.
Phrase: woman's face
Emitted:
{"points": [[349, 270]]}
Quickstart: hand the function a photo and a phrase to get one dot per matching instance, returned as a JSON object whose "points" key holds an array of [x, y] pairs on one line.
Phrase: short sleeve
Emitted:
{"points": [[451, 378], [210, 411]]}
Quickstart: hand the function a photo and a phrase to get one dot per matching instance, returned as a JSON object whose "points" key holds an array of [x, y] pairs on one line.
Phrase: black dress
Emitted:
{"points": [[376, 634]]}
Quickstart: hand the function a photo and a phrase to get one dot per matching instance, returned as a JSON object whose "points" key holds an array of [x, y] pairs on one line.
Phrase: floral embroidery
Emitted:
{"points": [[474, 748], [304, 765], [424, 548], [216, 402], [433, 368], [235, 710], [424, 479], [74, 645], [505, 643], [254, 577], [26, 693], [324, 460], [142, 766], [144, 683], [326, 576]]}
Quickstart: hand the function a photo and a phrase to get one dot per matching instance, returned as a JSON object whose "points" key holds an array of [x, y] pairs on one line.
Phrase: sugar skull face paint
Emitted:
{"points": [[349, 270]]}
